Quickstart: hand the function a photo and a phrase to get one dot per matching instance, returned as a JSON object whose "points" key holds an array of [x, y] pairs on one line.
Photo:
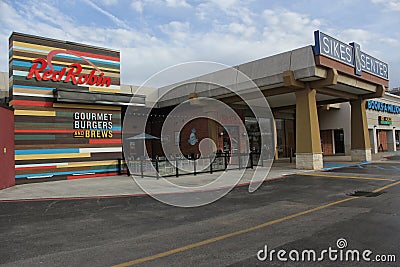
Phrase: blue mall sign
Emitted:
{"points": [[350, 54], [380, 106]]}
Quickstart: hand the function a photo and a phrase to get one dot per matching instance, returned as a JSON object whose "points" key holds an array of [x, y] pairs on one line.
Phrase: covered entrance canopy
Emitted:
{"points": [[327, 73]]}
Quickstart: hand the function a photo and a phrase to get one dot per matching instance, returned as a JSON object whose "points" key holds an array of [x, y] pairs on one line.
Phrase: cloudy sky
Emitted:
{"points": [[154, 34]]}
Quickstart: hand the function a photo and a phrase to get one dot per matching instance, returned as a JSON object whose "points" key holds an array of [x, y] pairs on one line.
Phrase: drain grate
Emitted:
{"points": [[365, 194]]}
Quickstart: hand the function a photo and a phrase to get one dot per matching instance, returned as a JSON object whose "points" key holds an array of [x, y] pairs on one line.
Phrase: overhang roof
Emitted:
{"points": [[278, 77]]}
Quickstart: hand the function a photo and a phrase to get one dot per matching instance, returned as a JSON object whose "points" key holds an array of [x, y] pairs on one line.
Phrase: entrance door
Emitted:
{"points": [[326, 142], [382, 141], [7, 177], [338, 135]]}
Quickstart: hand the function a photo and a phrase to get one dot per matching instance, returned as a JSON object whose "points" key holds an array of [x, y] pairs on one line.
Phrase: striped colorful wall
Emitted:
{"points": [[45, 146]]}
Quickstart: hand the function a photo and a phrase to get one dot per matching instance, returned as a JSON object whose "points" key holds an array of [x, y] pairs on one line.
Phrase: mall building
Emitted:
{"points": [[63, 106]]}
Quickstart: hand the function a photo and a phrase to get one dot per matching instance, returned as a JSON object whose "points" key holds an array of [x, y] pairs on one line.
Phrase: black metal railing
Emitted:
{"points": [[177, 166]]}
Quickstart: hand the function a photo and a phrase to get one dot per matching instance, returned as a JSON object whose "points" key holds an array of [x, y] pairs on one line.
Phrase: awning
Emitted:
{"points": [[104, 98]]}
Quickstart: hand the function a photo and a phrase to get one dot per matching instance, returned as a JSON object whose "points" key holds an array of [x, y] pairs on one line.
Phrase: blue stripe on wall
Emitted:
{"points": [[46, 151], [34, 87], [65, 173]]}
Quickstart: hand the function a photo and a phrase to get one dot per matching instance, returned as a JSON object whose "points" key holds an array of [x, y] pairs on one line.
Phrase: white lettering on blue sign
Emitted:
{"points": [[336, 49], [350, 54], [379, 106]]}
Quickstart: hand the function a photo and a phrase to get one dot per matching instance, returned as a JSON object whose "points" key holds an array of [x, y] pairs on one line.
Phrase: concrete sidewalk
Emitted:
{"points": [[126, 186]]}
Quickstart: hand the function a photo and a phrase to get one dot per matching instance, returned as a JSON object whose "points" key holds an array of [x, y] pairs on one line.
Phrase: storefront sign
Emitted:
{"points": [[43, 70], [380, 106], [384, 120], [349, 54], [93, 125]]}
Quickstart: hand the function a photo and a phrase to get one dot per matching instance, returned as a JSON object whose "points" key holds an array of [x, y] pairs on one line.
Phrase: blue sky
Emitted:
{"points": [[154, 34]]}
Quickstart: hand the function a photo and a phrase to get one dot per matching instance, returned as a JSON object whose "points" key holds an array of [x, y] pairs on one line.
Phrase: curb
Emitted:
{"points": [[131, 195]]}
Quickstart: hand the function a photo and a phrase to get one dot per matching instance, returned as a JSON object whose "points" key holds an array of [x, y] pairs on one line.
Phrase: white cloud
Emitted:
{"points": [[390, 5], [361, 36], [176, 30], [177, 3], [109, 2], [137, 6], [116, 20]]}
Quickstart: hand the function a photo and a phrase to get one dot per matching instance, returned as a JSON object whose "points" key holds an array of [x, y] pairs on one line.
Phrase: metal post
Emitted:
{"points": [[291, 154], [211, 162], [157, 169], [225, 161], [239, 161], [141, 167], [194, 166], [176, 167], [251, 160], [119, 166]]}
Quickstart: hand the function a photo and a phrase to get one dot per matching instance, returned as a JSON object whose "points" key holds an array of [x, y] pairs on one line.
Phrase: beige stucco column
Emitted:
{"points": [[374, 148], [360, 142], [308, 142], [391, 139]]}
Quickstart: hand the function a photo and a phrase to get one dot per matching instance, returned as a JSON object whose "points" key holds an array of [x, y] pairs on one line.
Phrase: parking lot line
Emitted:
{"points": [[243, 231], [218, 238], [385, 187], [345, 177]]}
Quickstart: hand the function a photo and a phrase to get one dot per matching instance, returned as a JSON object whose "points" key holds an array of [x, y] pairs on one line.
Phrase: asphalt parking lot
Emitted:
{"points": [[309, 211]]}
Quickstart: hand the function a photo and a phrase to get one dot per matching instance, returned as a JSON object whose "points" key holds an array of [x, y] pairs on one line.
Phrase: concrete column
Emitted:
{"points": [[374, 141], [276, 157], [308, 140], [391, 139], [360, 143]]}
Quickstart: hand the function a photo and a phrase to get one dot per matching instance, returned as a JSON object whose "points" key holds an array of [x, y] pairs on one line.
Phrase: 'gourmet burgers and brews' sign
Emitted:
{"points": [[93, 125]]}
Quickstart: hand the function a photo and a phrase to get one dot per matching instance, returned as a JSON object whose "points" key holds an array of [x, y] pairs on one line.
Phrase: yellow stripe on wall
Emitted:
{"points": [[24, 112], [32, 91], [62, 105], [89, 163], [34, 46], [52, 156], [97, 89]]}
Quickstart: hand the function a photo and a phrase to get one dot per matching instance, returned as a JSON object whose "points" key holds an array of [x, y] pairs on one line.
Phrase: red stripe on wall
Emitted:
{"points": [[105, 141], [35, 168], [94, 55], [51, 131], [74, 177], [44, 131], [32, 103]]}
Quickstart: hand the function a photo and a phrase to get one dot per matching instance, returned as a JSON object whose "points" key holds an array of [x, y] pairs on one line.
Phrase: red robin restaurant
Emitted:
{"points": [[63, 107]]}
